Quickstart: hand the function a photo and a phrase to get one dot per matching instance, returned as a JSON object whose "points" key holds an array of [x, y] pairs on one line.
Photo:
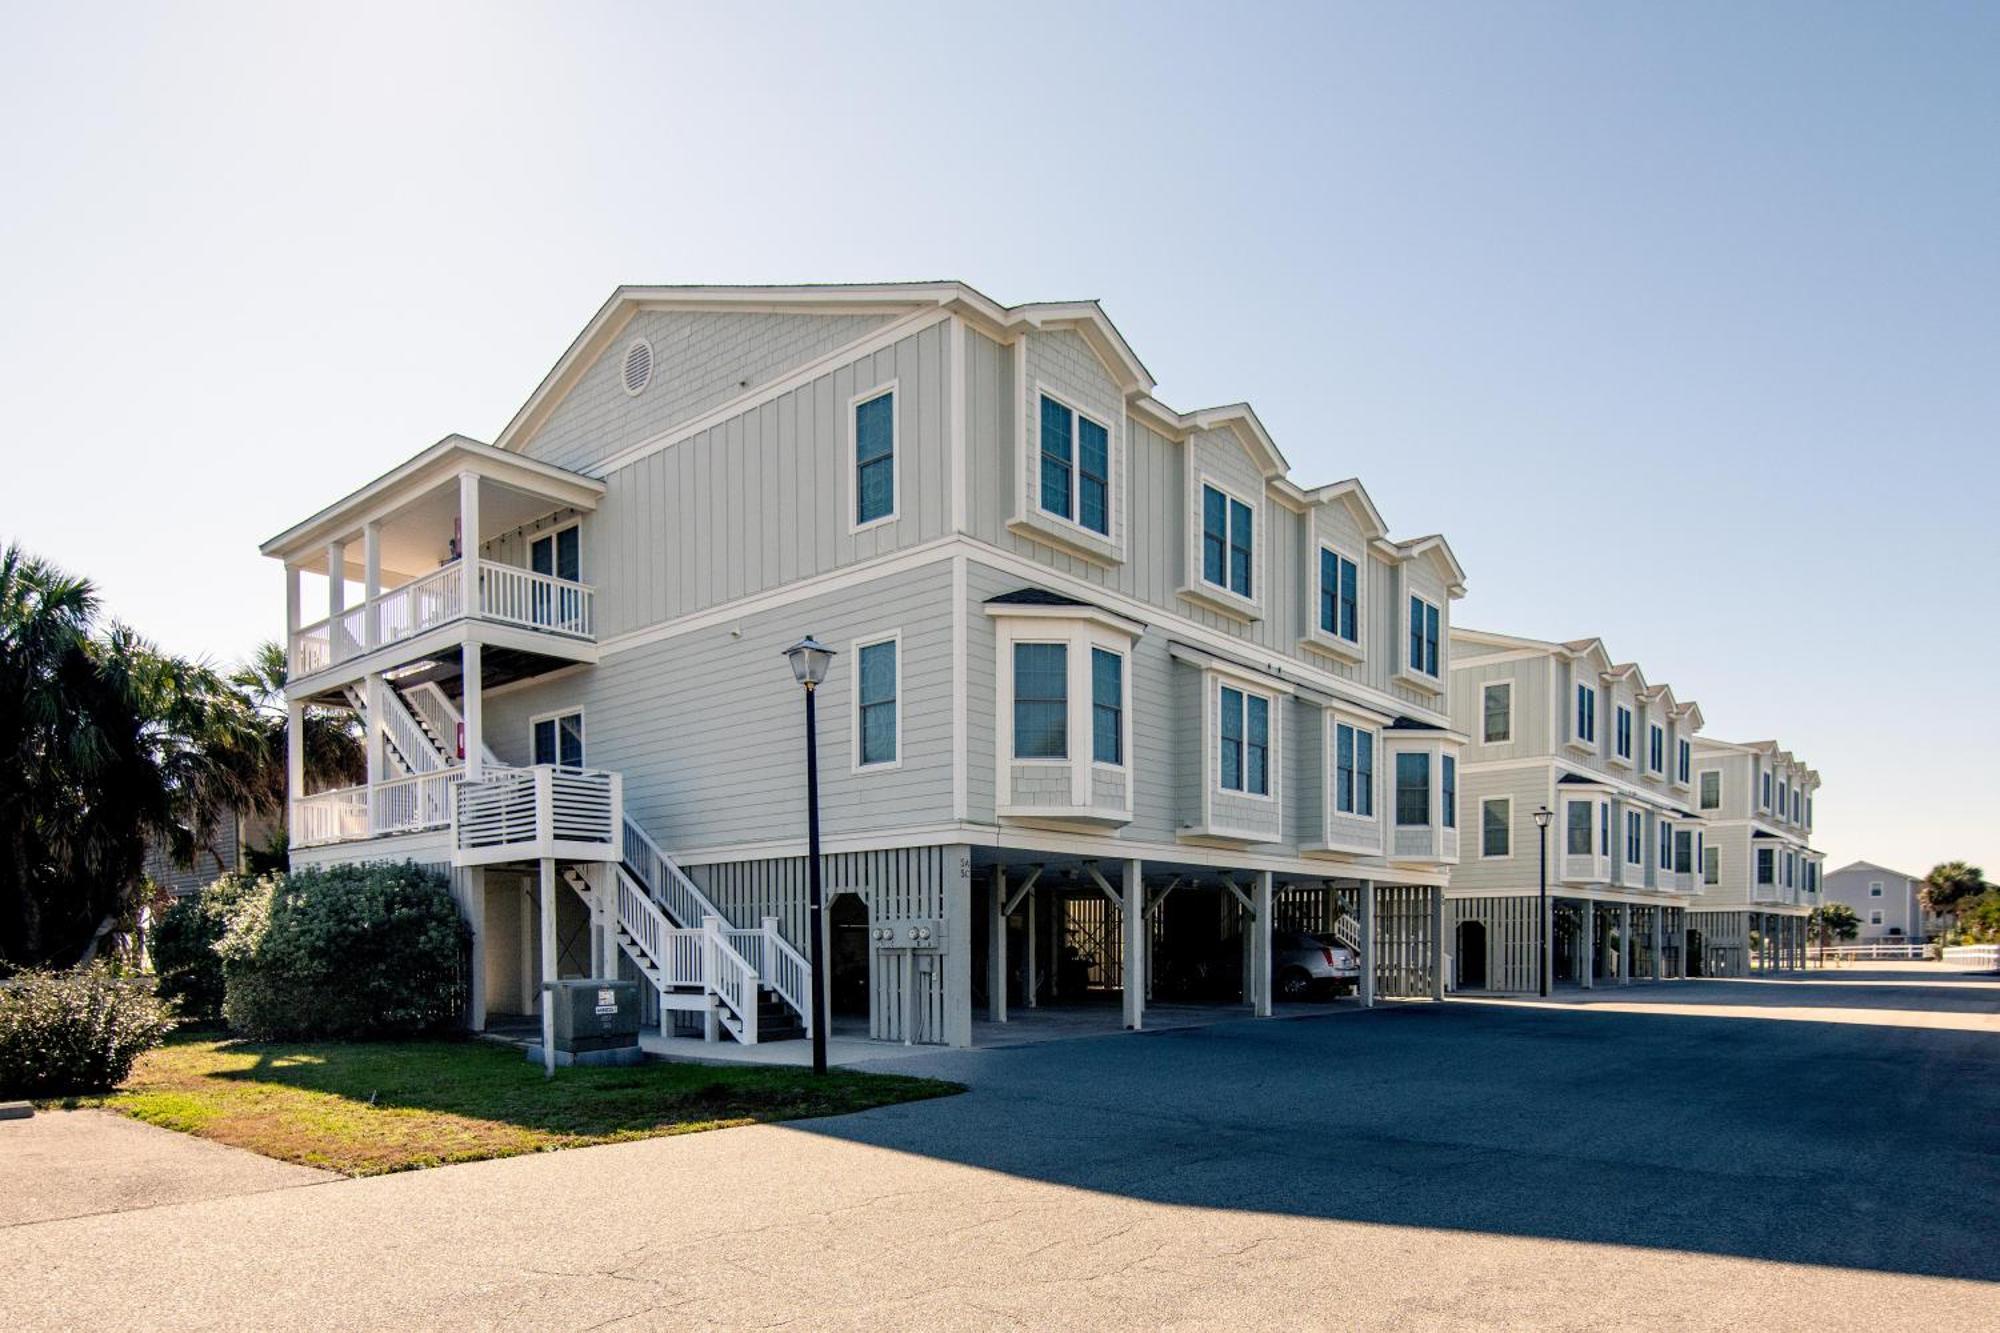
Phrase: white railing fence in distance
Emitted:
{"points": [[1975, 957], [1864, 953]]}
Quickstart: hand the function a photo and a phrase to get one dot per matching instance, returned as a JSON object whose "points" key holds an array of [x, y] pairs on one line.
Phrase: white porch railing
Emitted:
{"points": [[330, 817], [507, 593], [535, 812], [413, 804], [1979, 957]]}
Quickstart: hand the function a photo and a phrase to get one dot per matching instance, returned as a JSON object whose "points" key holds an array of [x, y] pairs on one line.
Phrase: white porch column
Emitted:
{"points": [[468, 538], [1260, 945], [371, 584], [1586, 944], [1624, 944], [550, 966], [336, 597], [996, 948], [295, 765], [1135, 945], [1437, 943], [291, 618], [371, 733], [1367, 908], [473, 710], [472, 887]]}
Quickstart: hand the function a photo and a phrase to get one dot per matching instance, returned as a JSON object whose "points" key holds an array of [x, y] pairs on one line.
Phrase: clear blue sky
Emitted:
{"points": [[1713, 286]]}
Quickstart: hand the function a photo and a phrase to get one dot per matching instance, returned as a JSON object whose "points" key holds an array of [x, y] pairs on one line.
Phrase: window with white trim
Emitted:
{"points": [[1711, 865], [1353, 771], [878, 703], [1576, 823], [1686, 762], [1875, 917], [1076, 467], [1586, 714], [1766, 775], [1107, 706], [1683, 851], [1621, 733], [1496, 711], [1413, 788], [1339, 596], [1635, 838], [1425, 620], [1041, 700], [1228, 541], [557, 738], [1711, 789], [1448, 789], [1496, 832], [1245, 741], [1666, 845], [1767, 866], [875, 459], [1656, 749], [1874, 888]]}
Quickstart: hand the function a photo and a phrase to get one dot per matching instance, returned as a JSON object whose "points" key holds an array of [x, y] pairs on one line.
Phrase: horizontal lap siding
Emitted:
{"points": [[766, 498], [701, 360], [706, 727]]}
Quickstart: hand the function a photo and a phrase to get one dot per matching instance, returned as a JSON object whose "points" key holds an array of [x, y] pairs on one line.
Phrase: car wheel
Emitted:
{"points": [[1294, 983]]}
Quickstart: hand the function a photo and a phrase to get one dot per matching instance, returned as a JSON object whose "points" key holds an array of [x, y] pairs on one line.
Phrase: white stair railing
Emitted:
{"points": [[437, 712], [731, 979], [783, 968]]}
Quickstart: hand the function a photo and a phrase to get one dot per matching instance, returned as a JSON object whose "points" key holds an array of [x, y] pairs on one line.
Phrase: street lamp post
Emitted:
{"points": [[1542, 817], [810, 661]]}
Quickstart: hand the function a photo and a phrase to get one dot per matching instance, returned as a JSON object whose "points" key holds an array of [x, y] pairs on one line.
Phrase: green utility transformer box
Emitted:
{"points": [[596, 1021]]}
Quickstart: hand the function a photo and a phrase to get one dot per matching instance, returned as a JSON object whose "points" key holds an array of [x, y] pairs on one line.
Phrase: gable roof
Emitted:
{"points": [[1876, 865]]}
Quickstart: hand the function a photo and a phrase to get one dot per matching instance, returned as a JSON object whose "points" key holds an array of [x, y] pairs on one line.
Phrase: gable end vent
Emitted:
{"points": [[638, 366]]}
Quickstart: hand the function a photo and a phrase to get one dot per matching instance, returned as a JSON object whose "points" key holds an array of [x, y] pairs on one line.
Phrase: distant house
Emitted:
{"points": [[223, 852], [1885, 900]]}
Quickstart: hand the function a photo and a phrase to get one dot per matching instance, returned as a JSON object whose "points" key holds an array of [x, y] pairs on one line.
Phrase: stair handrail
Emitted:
{"points": [[433, 693], [730, 977], [412, 742], [783, 968]]}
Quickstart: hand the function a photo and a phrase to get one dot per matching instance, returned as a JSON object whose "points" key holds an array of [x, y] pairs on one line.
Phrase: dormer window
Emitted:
{"points": [[1585, 722], [1227, 541], [1685, 764], [1339, 596], [1423, 627], [1656, 749], [1621, 735], [1076, 467], [1766, 774]]}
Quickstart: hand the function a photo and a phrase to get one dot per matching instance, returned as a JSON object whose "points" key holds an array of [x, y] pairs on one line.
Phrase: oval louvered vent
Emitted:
{"points": [[638, 365]]}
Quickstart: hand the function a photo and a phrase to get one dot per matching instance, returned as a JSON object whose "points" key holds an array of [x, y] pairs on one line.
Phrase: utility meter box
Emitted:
{"points": [[596, 1020]]}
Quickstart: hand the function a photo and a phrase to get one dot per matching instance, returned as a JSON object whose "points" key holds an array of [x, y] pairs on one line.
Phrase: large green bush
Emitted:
{"points": [[184, 942], [77, 1031], [348, 951]]}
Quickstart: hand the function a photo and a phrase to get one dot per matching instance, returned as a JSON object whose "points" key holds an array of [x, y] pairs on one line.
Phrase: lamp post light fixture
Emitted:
{"points": [[810, 661], [1542, 817]]}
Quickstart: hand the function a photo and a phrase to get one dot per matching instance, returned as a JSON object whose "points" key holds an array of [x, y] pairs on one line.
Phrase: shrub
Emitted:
{"points": [[184, 942], [348, 951], [78, 1031]]}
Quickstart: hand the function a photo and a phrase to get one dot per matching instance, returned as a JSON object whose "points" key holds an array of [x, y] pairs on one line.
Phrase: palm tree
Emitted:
{"points": [[1949, 884], [334, 753]]}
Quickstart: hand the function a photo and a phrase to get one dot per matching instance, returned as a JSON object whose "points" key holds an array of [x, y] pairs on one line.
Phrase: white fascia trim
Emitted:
{"points": [[1248, 676], [1118, 624]]}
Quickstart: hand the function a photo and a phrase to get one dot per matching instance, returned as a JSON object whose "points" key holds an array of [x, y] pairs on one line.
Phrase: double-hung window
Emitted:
{"points": [[1604, 828], [1413, 788], [1423, 636], [1767, 866], [1635, 838], [1353, 771], [1041, 701], [1686, 762], [1656, 749], [1496, 708], [1076, 467], [875, 459], [877, 678], [1339, 596], [558, 739], [1577, 821], [1227, 540], [1767, 788], [1621, 735], [1448, 790], [1245, 742], [1495, 833], [1684, 851], [1711, 865], [1586, 714], [1666, 833], [1711, 789], [1107, 706]]}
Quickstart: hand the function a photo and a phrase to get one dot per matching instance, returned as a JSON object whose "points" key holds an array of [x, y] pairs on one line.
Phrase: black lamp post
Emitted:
{"points": [[810, 661], [1542, 817]]}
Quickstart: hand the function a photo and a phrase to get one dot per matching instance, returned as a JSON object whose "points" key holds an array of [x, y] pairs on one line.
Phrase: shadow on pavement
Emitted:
{"points": [[1836, 1142]]}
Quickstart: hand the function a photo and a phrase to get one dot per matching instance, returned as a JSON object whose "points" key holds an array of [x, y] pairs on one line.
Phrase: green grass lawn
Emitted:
{"points": [[367, 1108]]}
